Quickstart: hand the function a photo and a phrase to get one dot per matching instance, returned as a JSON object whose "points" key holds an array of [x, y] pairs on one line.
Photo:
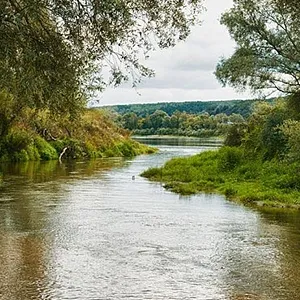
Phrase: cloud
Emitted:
{"points": [[184, 79], [185, 72]]}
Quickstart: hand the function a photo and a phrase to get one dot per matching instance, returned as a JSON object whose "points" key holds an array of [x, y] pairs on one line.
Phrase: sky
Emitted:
{"points": [[185, 72]]}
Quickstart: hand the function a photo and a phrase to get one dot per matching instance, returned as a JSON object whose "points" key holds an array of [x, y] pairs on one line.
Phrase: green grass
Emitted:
{"points": [[228, 172]]}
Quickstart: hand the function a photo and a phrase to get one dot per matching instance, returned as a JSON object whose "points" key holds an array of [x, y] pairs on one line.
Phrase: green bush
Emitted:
{"points": [[58, 145], [229, 158], [16, 141], [20, 156], [46, 151], [33, 153], [126, 149], [91, 151], [249, 170]]}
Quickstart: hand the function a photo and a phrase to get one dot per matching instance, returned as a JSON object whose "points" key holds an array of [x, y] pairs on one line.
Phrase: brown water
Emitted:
{"points": [[87, 230]]}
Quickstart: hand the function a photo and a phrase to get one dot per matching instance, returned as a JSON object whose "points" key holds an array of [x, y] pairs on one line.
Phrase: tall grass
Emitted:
{"points": [[230, 172]]}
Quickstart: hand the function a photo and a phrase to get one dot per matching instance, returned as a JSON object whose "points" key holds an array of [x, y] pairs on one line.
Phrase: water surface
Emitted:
{"points": [[87, 230]]}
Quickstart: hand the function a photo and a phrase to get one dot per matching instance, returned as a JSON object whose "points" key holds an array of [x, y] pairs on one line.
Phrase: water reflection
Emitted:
{"points": [[29, 194], [86, 230]]}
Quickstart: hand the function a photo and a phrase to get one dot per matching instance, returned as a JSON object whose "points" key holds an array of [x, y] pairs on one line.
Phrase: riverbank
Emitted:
{"points": [[227, 171], [92, 135]]}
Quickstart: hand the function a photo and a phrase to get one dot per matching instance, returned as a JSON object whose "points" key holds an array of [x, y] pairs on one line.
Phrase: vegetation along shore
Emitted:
{"points": [[38, 135], [259, 163]]}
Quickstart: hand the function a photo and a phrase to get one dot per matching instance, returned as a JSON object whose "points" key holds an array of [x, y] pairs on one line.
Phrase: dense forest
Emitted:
{"points": [[198, 119], [241, 107], [260, 162], [179, 123]]}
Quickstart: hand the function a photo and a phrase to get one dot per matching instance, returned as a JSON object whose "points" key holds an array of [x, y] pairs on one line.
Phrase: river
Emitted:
{"points": [[97, 230]]}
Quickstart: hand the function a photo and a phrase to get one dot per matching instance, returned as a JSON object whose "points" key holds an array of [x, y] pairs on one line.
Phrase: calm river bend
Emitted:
{"points": [[87, 230]]}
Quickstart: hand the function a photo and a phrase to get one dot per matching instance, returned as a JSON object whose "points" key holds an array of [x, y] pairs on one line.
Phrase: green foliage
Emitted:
{"points": [[239, 107], [230, 192], [46, 151], [41, 137], [291, 129], [180, 123], [235, 135], [33, 153], [7, 106], [188, 175], [250, 181], [267, 53], [229, 158], [21, 145], [249, 170], [17, 140], [263, 137], [128, 148], [153, 173], [52, 54], [263, 168]]}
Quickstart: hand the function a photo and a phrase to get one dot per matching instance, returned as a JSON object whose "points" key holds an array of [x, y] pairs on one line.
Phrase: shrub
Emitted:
{"points": [[16, 141], [229, 158], [46, 151], [20, 156], [91, 151], [126, 149], [235, 135]]}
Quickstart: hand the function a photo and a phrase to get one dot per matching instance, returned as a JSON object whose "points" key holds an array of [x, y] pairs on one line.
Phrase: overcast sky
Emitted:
{"points": [[185, 72]]}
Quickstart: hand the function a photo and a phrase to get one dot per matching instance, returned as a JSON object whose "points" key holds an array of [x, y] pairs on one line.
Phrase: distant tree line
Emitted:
{"points": [[241, 107], [179, 123]]}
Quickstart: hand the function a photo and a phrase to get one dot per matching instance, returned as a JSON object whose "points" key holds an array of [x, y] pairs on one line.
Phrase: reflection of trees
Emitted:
{"points": [[43, 171], [23, 271], [28, 193], [28, 187]]}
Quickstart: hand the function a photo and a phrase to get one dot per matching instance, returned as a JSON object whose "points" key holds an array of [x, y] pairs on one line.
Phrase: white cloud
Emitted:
{"points": [[185, 72]]}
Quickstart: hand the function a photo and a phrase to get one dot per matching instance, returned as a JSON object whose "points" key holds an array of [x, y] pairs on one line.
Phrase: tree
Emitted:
{"points": [[130, 121], [264, 136], [52, 52], [267, 34], [157, 119], [291, 129]]}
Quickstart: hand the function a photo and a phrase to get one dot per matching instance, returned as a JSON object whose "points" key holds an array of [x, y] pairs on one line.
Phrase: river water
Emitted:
{"points": [[89, 230]]}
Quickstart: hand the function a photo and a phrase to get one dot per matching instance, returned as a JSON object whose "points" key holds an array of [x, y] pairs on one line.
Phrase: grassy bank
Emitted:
{"points": [[228, 171], [94, 135]]}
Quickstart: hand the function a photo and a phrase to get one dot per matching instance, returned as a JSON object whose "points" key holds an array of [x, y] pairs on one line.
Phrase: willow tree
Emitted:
{"points": [[53, 52], [267, 54]]}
